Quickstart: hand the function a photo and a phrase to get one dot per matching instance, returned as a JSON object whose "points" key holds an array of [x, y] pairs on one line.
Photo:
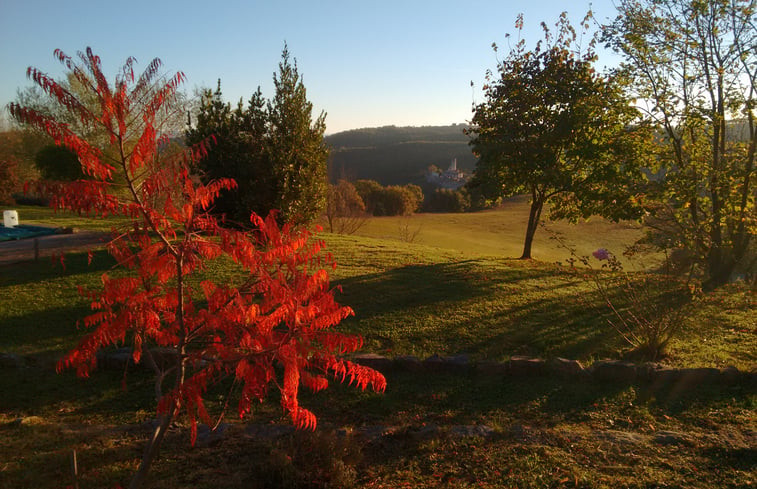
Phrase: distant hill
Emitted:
{"points": [[397, 155]]}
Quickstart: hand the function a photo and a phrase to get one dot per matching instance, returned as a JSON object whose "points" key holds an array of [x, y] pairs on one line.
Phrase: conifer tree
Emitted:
{"points": [[296, 147], [272, 148]]}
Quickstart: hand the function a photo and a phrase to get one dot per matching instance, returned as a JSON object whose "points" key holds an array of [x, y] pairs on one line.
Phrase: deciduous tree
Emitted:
{"points": [[447, 200], [345, 210], [272, 328], [394, 200], [10, 147], [694, 65], [552, 127]]}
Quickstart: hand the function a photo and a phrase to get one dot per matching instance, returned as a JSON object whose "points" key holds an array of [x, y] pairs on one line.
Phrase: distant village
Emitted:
{"points": [[451, 178]]}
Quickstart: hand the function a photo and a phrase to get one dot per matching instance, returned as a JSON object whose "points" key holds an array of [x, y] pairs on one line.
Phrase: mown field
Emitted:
{"points": [[442, 430], [500, 232]]}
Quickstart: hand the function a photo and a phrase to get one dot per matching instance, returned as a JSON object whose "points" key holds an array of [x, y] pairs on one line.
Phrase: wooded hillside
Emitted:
{"points": [[397, 155]]}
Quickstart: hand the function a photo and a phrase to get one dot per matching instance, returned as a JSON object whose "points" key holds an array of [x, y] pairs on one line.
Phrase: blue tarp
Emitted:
{"points": [[23, 231]]}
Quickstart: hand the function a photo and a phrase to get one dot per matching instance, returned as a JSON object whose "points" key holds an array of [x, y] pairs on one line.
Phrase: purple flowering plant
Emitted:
{"points": [[649, 308]]}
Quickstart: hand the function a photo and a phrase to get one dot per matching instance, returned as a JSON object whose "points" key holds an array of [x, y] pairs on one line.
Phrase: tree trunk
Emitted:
{"points": [[537, 202], [153, 445], [151, 450], [720, 266]]}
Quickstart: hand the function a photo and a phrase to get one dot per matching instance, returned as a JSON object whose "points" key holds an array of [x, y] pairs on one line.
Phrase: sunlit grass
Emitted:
{"points": [[44, 216], [409, 298], [501, 232]]}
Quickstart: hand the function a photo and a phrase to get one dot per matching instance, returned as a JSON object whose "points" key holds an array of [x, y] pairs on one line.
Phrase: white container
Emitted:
{"points": [[10, 219]]}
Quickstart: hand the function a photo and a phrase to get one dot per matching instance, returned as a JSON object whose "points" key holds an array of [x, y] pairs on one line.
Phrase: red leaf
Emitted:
{"points": [[280, 313]]}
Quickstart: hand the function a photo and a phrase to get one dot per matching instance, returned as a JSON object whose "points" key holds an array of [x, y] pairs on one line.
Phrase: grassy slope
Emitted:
{"points": [[497, 232], [415, 299], [409, 299], [501, 232]]}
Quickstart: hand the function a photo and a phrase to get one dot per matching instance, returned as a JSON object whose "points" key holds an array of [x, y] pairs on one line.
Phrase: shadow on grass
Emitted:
{"points": [[426, 398], [488, 310], [47, 269], [47, 332], [737, 458], [43, 392], [412, 285]]}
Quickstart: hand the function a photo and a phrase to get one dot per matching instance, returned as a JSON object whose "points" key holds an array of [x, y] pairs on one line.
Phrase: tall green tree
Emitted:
{"points": [[552, 127], [295, 146], [272, 148], [239, 151], [694, 63]]}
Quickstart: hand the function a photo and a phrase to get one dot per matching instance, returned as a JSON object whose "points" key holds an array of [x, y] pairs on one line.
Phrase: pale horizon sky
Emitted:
{"points": [[366, 64]]}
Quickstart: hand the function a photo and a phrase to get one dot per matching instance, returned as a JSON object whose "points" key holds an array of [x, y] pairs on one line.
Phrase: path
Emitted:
{"points": [[24, 249]]}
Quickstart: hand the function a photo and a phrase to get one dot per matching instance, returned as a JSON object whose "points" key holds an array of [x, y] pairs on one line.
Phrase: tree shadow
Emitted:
{"points": [[469, 307], [736, 458], [75, 264]]}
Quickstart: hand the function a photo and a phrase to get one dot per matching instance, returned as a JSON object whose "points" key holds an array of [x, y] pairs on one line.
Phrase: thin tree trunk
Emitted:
{"points": [[153, 445], [537, 202], [151, 450]]}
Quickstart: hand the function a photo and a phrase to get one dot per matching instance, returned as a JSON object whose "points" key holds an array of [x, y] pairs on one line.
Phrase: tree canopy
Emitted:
{"points": [[274, 149], [552, 127], [693, 64], [58, 163]]}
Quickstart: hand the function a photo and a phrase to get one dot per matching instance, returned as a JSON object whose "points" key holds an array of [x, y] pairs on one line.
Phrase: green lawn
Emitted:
{"points": [[43, 216], [500, 232], [412, 299], [409, 299]]}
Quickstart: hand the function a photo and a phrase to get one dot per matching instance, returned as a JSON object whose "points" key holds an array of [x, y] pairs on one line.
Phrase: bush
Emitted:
{"points": [[649, 309], [58, 163], [306, 459], [345, 210], [31, 199], [8, 179], [393, 200], [445, 200], [399, 201]]}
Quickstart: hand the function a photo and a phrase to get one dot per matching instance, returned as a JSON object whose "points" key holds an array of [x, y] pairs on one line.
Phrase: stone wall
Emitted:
{"points": [[615, 371], [609, 371]]}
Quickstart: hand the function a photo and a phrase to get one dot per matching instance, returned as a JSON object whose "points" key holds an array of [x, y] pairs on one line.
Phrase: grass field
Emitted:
{"points": [[409, 298], [500, 232], [43, 216]]}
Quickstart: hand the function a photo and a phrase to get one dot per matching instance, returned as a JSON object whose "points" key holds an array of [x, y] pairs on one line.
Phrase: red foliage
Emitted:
{"points": [[280, 314]]}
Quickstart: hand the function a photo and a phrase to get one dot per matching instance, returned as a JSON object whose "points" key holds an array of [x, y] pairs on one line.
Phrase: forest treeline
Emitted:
{"points": [[394, 155]]}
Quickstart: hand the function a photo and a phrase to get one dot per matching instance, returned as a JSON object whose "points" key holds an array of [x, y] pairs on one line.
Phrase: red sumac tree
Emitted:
{"points": [[273, 328]]}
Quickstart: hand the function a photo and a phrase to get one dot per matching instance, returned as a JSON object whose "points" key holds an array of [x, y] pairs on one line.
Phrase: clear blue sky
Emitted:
{"points": [[365, 63]]}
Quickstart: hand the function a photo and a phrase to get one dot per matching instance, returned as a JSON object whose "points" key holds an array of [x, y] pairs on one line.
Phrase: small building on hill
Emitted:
{"points": [[452, 178]]}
